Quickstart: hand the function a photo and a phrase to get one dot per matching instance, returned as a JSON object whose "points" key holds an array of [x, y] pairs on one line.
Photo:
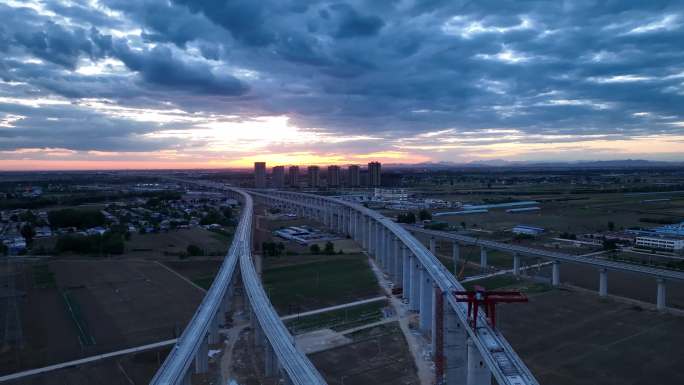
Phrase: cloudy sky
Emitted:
{"points": [[222, 83]]}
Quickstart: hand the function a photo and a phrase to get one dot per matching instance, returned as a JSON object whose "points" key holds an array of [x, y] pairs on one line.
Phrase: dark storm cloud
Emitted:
{"points": [[396, 69], [159, 66]]}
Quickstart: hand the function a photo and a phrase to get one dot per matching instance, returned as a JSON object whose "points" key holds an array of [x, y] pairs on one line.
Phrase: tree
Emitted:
{"points": [[609, 244], [28, 233], [406, 218], [329, 248], [81, 219], [424, 215], [315, 249], [463, 224], [611, 226]]}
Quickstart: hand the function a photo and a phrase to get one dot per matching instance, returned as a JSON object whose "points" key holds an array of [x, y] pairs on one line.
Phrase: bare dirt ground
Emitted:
{"points": [[112, 305], [576, 338], [378, 355], [169, 244]]}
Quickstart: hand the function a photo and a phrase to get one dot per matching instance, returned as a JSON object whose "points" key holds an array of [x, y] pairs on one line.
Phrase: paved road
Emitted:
{"points": [[503, 272], [333, 308], [86, 360]]}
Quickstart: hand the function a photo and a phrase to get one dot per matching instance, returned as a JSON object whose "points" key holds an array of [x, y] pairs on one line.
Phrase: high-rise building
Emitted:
{"points": [[314, 177], [354, 177], [278, 177], [260, 174], [374, 174], [293, 176], [333, 176]]}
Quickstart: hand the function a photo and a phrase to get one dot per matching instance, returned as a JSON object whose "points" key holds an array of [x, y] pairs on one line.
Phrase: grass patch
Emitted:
{"points": [[204, 282], [335, 280], [338, 320], [384, 329], [509, 282], [43, 278]]}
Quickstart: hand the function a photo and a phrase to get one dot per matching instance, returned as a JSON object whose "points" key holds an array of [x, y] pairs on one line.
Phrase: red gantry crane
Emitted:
{"points": [[480, 297]]}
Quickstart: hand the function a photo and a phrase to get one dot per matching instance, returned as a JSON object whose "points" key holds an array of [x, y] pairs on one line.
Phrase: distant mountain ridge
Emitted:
{"points": [[502, 163]]}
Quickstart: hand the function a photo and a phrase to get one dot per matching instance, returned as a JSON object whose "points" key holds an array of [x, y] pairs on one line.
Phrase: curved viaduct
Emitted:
{"points": [[467, 356], [190, 354]]}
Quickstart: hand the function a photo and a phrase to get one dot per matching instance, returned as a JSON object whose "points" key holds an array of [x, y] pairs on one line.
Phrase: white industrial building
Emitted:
{"points": [[529, 230], [660, 242]]}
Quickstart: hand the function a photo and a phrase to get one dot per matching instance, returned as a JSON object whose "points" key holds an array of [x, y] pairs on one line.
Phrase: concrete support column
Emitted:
{"points": [[435, 315], [371, 238], [378, 242], [259, 336], [603, 282], [384, 256], [455, 349], [270, 362], [381, 246], [406, 272], [382, 236], [354, 223], [516, 264], [414, 300], [483, 257], [433, 245], [426, 296], [214, 336], [391, 257], [397, 261], [187, 378], [661, 301], [478, 373], [365, 232], [456, 256], [340, 221], [202, 357], [555, 273]]}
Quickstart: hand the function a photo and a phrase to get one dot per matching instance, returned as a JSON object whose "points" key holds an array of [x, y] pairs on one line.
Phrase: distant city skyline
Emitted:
{"points": [[175, 84]]}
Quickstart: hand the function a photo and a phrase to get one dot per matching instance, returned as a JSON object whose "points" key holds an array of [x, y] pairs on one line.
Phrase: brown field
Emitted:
{"points": [[112, 305], [133, 368], [170, 244], [575, 338], [377, 355], [585, 213]]}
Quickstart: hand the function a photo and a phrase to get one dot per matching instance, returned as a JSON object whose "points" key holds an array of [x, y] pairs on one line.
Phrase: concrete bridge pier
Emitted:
{"points": [[455, 349], [202, 357], [555, 274], [661, 302], [603, 283], [382, 248], [483, 257], [478, 373], [391, 257], [455, 256], [214, 336], [270, 362], [371, 237], [426, 294], [516, 264], [414, 300], [433, 246], [406, 272], [187, 378], [397, 259]]}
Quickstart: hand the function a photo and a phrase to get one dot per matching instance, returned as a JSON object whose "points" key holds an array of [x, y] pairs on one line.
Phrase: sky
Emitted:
{"points": [[121, 84]]}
